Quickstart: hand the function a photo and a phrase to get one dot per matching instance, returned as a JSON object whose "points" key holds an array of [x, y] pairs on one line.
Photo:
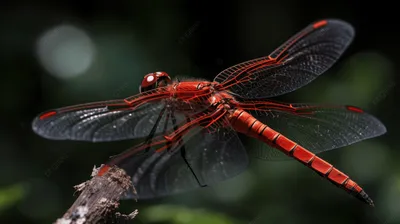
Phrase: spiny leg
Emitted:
{"points": [[150, 137], [117, 158], [183, 150]]}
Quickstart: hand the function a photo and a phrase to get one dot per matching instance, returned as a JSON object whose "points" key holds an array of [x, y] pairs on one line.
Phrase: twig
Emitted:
{"points": [[99, 198]]}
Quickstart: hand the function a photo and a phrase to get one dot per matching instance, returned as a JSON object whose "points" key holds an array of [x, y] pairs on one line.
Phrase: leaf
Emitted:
{"points": [[10, 195], [181, 215]]}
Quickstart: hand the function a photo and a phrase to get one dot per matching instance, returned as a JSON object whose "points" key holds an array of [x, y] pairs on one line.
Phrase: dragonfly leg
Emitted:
{"points": [[183, 149], [115, 159], [153, 130], [183, 154]]}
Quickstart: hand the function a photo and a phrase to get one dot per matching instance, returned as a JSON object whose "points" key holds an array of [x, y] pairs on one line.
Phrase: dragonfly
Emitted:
{"points": [[188, 128]]}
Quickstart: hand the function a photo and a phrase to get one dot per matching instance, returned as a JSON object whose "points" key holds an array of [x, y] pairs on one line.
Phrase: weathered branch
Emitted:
{"points": [[99, 198]]}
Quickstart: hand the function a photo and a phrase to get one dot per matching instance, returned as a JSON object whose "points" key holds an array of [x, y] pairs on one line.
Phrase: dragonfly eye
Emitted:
{"points": [[149, 82], [154, 80], [163, 81], [144, 88]]}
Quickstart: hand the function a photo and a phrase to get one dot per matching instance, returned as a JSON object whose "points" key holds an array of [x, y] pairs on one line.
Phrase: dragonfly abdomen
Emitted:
{"points": [[245, 123], [319, 165]]}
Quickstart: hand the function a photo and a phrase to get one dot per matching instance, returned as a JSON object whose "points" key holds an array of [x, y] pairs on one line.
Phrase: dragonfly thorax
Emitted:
{"points": [[154, 80]]}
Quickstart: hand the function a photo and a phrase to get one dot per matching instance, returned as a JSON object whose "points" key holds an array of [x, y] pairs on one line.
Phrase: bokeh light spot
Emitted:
{"points": [[65, 51]]}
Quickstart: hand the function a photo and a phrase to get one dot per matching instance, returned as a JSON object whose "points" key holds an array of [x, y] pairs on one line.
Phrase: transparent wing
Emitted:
{"points": [[113, 120], [294, 64], [318, 128], [213, 155]]}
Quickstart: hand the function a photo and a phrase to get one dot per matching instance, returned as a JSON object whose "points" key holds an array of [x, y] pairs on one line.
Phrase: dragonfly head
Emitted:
{"points": [[154, 80]]}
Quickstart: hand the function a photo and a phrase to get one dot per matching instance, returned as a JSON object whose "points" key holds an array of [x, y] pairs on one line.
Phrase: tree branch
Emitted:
{"points": [[99, 198]]}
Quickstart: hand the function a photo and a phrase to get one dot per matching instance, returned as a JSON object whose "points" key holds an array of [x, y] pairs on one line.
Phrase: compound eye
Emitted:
{"points": [[150, 78], [149, 82]]}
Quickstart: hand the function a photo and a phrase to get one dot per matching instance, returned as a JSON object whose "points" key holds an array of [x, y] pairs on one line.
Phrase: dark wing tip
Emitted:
{"points": [[40, 120], [320, 23], [43, 125], [47, 114], [376, 124], [354, 109], [36, 124], [338, 23], [40, 126]]}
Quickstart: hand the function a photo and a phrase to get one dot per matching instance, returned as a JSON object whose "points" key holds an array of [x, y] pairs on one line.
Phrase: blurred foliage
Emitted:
{"points": [[129, 39], [180, 215], [10, 196]]}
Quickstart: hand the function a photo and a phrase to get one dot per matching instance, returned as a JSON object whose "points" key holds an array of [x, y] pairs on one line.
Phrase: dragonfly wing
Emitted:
{"points": [[317, 128], [294, 64], [110, 120], [213, 157]]}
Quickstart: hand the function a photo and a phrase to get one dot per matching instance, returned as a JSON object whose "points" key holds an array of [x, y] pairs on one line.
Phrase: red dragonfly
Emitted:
{"points": [[190, 127]]}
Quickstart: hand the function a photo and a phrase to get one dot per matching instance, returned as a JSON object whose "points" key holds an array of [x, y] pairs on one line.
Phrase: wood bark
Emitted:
{"points": [[99, 198]]}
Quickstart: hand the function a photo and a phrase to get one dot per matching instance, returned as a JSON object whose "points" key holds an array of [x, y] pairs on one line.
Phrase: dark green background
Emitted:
{"points": [[133, 38]]}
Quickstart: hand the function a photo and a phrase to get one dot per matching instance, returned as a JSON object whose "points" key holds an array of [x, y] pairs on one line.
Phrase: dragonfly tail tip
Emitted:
{"points": [[365, 198]]}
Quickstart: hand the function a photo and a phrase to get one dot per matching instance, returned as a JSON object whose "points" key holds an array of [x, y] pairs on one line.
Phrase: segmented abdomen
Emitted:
{"points": [[245, 123]]}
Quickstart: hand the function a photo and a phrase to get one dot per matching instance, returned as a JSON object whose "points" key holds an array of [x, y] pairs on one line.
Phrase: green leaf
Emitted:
{"points": [[10, 195], [181, 215]]}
